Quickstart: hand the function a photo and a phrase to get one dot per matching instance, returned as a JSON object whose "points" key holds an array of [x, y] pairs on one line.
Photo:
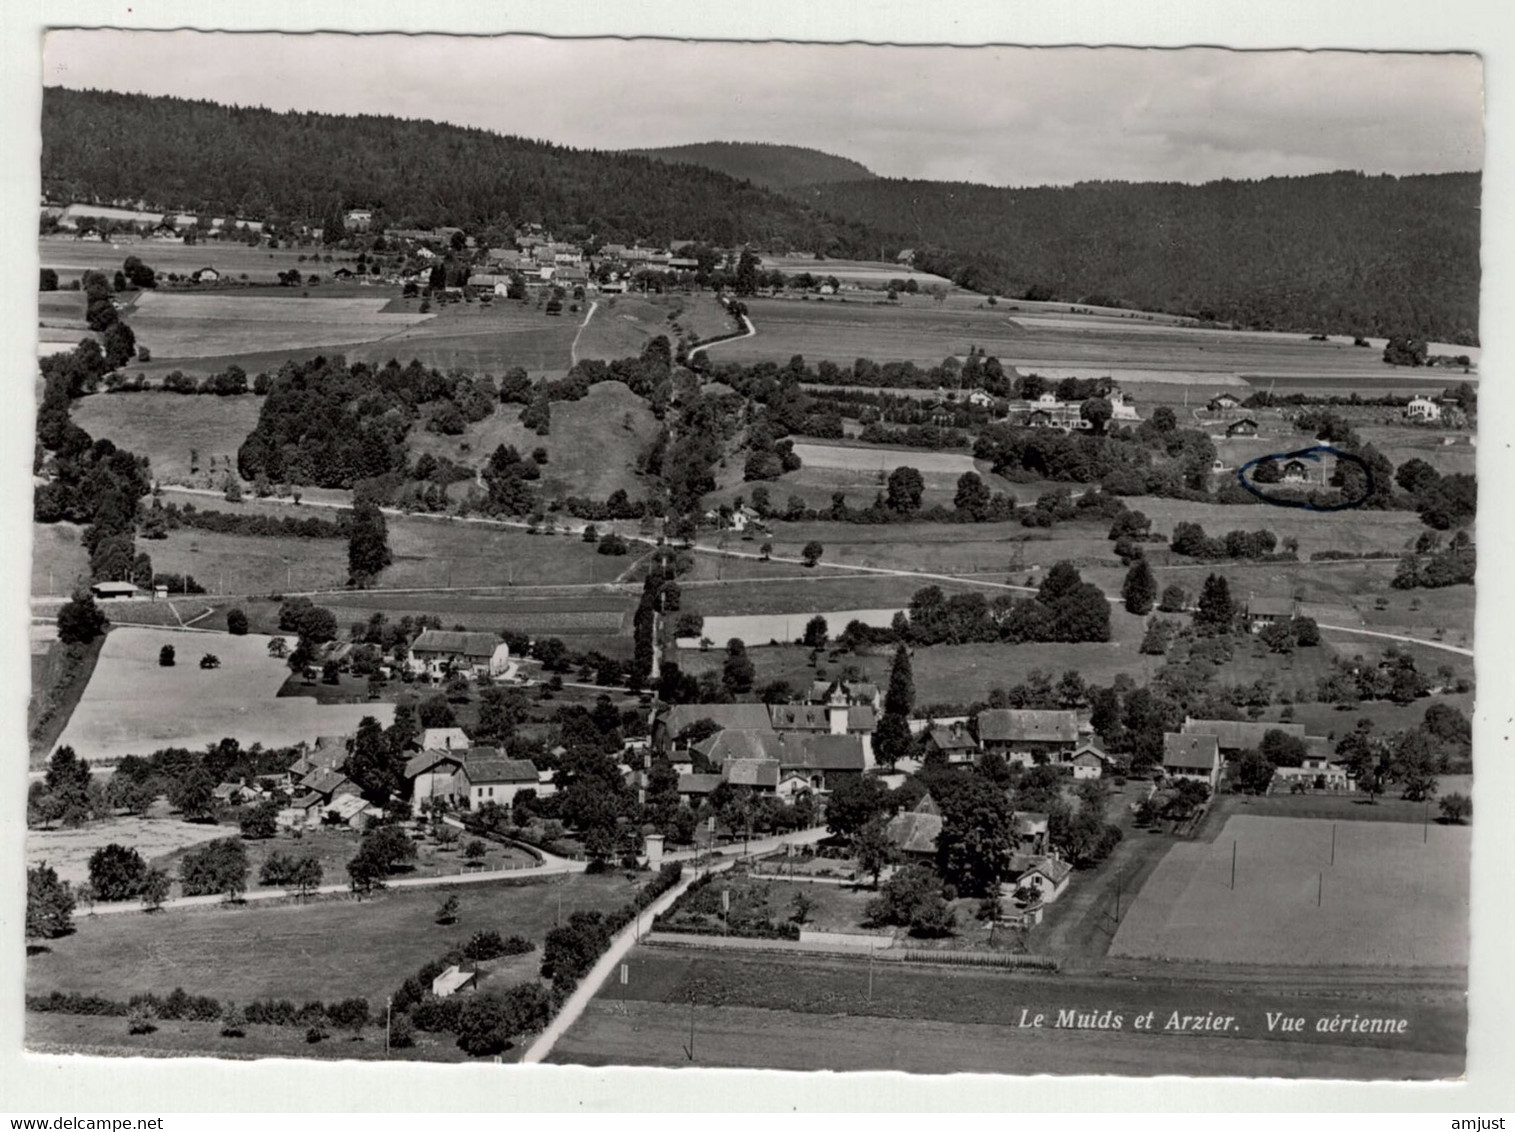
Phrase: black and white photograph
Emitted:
{"points": [[753, 555]]}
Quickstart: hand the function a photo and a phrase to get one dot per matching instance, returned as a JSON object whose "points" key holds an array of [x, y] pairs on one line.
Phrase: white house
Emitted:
{"points": [[1192, 756], [1089, 760], [480, 655], [1423, 410], [493, 778]]}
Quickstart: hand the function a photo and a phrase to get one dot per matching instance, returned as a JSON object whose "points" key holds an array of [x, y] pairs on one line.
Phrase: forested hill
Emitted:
{"points": [[770, 166], [201, 156], [1337, 252]]}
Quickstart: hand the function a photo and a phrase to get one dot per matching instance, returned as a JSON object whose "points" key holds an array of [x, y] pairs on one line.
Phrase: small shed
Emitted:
{"points": [[450, 981]]}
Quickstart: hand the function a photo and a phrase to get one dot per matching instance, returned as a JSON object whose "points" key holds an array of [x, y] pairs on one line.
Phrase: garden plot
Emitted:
{"points": [[1396, 896], [135, 706]]}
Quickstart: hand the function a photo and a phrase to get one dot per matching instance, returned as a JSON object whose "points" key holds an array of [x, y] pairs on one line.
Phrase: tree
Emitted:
{"points": [[893, 740], [67, 793], [210, 660], [1455, 809], [737, 672], [1254, 773], [233, 1022], [972, 496], [1139, 588], [910, 890], [194, 796], [977, 837], [349, 1014], [367, 543], [215, 867], [236, 623], [80, 620], [447, 912], [904, 490], [116, 872], [261, 822], [811, 554], [1174, 600], [816, 633], [803, 904], [155, 889], [1216, 613], [899, 699], [49, 904], [854, 802], [872, 847], [1097, 411]]}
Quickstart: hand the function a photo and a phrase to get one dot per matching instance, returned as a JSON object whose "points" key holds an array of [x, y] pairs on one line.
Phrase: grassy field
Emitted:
{"points": [[1055, 345], [592, 447], [71, 258], [59, 560], [623, 324], [165, 427], [1354, 531], [868, 459], [287, 950], [134, 706], [1388, 900], [156, 838], [807, 594], [59, 676], [807, 1012], [589, 615]]}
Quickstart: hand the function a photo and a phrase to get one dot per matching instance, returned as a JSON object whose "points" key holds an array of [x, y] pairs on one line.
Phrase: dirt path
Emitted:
{"points": [[751, 331], [573, 350], [1396, 637]]}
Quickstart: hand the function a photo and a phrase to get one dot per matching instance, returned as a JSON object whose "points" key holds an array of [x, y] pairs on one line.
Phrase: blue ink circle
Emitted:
{"points": [[1315, 452]]}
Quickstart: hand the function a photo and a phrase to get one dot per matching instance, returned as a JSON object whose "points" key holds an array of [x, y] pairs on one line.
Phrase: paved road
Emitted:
{"points": [[751, 330], [626, 939]]}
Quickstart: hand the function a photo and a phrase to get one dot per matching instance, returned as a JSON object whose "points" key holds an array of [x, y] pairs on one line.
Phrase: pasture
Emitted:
{"points": [[69, 850], [594, 615], [623, 325], [71, 258], [861, 458], [286, 950], [1389, 900], [187, 324], [865, 273], [59, 560], [811, 1012], [168, 428], [132, 705], [592, 446]]}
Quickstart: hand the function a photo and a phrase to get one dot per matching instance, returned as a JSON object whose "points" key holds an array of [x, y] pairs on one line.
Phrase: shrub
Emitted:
{"points": [[402, 1031], [315, 1034], [484, 945]]}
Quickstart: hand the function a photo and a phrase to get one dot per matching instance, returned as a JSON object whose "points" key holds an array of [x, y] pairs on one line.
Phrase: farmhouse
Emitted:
{"points": [[759, 775], [915, 831], [837, 717], [694, 787], [1423, 410], [1123, 408], [436, 776], [437, 651], [493, 778], [1316, 774], [206, 275], [820, 758], [1264, 611], [1296, 472], [954, 742], [1028, 736], [114, 591], [1045, 876], [1089, 760], [1194, 757], [1235, 735], [358, 219], [1242, 426], [856, 692], [1223, 403], [670, 722]]}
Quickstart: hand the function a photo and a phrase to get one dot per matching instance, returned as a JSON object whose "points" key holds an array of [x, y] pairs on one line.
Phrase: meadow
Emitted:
{"points": [[1390, 899], [809, 1012], [70, 258], [211, 324], [286, 950], [133, 705], [168, 427], [592, 446]]}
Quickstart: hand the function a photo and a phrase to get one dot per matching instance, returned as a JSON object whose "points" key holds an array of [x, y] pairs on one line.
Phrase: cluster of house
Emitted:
{"points": [[1064, 738], [445, 766], [439, 653], [538, 260], [91, 221], [1047, 411], [780, 749]]}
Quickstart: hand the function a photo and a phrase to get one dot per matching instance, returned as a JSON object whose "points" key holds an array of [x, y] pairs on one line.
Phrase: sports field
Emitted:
{"points": [[134, 706], [1395, 896]]}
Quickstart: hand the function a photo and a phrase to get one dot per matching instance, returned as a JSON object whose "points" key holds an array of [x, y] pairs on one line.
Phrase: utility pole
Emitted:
{"points": [[1118, 875], [1333, 844], [1233, 866], [388, 1012]]}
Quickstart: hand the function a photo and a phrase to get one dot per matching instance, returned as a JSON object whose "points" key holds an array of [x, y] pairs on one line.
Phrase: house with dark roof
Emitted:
{"points": [[1089, 759], [436, 652], [855, 692], [1295, 471], [759, 775], [914, 832], [694, 787], [1193, 756], [1045, 877], [436, 776], [1223, 403], [1242, 426], [835, 717], [1028, 736], [671, 721], [954, 742], [1233, 736], [1264, 611], [494, 778]]}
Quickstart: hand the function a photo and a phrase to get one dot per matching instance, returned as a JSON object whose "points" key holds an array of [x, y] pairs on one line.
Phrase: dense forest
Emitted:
{"points": [[1338, 252], [777, 167], [254, 163]]}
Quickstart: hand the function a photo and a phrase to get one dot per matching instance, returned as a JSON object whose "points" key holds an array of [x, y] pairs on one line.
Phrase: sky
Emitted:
{"points": [[995, 115]]}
